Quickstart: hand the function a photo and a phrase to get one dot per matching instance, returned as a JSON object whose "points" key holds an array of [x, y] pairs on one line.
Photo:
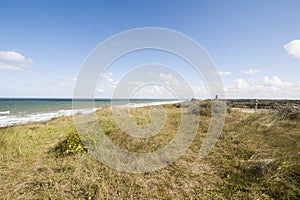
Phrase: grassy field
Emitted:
{"points": [[256, 157]]}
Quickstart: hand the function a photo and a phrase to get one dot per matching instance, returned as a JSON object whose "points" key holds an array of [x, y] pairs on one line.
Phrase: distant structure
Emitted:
{"points": [[256, 104], [216, 97], [194, 99]]}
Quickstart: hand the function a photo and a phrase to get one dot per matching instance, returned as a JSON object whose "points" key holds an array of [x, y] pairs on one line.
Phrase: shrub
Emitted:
{"points": [[204, 108], [288, 112], [70, 145]]}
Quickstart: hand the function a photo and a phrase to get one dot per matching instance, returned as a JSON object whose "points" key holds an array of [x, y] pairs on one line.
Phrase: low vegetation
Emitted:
{"points": [[256, 157], [71, 145], [288, 112]]}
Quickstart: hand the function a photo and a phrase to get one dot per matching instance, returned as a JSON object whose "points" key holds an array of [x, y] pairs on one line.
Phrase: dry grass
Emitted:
{"points": [[257, 157]]}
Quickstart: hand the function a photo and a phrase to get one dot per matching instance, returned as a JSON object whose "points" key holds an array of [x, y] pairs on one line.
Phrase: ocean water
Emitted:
{"points": [[22, 111]]}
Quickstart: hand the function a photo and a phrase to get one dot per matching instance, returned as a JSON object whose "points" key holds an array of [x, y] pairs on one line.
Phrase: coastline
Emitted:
{"points": [[12, 120]]}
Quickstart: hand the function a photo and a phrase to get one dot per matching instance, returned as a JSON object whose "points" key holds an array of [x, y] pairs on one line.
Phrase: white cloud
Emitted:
{"points": [[100, 89], [10, 67], [135, 83], [106, 84], [170, 80], [223, 73], [162, 86], [252, 71], [241, 84], [12, 56], [28, 71], [67, 78], [109, 79], [275, 81], [269, 87], [176, 84], [201, 92], [293, 48], [13, 61], [153, 91], [63, 82], [108, 76], [62, 85], [150, 90]]}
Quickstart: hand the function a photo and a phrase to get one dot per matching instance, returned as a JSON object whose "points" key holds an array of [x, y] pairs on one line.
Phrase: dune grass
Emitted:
{"points": [[256, 157]]}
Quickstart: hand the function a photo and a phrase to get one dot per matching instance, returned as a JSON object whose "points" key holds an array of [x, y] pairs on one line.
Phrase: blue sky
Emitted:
{"points": [[254, 44]]}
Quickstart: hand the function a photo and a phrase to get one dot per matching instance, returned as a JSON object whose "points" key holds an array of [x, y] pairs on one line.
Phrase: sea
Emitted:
{"points": [[21, 111]]}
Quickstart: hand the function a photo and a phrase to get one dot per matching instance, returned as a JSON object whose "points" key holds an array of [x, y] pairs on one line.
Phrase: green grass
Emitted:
{"points": [[256, 157]]}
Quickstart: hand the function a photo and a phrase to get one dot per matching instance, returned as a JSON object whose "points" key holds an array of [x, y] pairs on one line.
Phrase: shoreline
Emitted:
{"points": [[13, 120]]}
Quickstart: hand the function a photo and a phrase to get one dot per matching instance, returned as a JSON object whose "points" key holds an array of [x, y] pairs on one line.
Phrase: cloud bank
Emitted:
{"points": [[269, 87]]}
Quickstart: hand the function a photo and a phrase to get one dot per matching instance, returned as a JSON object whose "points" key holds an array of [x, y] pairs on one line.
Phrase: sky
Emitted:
{"points": [[254, 44]]}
